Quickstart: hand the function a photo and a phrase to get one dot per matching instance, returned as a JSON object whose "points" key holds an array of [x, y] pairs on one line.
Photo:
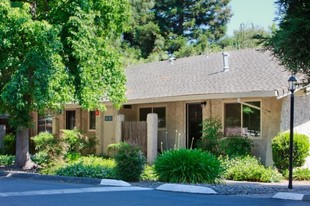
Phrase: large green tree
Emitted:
{"points": [[291, 42], [247, 36], [192, 19], [53, 52]]}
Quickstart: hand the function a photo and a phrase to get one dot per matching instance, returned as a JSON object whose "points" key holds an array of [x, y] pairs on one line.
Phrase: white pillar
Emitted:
{"points": [[118, 127], [152, 127]]}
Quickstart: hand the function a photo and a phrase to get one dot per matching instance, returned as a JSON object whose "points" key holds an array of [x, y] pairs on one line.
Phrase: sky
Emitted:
{"points": [[258, 12]]}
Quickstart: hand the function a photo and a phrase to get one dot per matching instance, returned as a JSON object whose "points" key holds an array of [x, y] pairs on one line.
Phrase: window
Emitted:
{"points": [[241, 119], [45, 123], [70, 120], [92, 120], [160, 111]]}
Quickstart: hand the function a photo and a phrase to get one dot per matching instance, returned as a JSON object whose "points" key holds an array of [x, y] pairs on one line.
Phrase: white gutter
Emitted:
{"points": [[286, 93], [203, 96]]}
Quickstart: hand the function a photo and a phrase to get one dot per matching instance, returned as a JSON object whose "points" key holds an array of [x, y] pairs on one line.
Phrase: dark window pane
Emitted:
{"points": [[232, 122], [70, 120], [161, 112], [92, 120], [251, 119], [144, 112]]}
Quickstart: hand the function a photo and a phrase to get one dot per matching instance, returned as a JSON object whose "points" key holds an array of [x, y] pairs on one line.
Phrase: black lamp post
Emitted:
{"points": [[292, 86]]}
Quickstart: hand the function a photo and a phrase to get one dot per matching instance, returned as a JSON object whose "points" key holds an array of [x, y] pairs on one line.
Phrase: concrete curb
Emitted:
{"points": [[66, 179], [186, 188], [111, 182], [292, 196]]}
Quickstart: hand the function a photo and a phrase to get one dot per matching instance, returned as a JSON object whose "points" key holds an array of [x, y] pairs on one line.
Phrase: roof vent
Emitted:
{"points": [[171, 59], [225, 61]]}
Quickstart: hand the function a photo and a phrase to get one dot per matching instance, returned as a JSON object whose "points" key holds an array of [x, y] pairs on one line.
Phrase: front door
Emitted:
{"points": [[193, 122]]}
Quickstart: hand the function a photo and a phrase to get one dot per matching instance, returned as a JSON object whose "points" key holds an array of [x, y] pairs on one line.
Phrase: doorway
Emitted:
{"points": [[193, 124]]}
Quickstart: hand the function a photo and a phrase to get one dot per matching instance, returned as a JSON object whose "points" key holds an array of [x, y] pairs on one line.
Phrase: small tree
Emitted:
{"points": [[211, 133]]}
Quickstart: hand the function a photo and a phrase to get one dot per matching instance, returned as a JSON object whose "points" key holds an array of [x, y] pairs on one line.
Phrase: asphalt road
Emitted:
{"points": [[24, 192]]}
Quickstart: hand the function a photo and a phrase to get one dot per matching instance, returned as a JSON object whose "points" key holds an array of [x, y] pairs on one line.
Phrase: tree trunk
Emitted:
{"points": [[22, 157]]}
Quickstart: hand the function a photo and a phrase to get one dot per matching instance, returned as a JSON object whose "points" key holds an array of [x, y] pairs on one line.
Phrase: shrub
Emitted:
{"points": [[9, 143], [149, 174], [211, 133], [298, 174], [301, 174], [92, 167], [280, 150], [49, 147], [113, 149], [129, 162], [248, 168], [41, 158], [79, 142], [235, 146], [7, 160], [188, 166]]}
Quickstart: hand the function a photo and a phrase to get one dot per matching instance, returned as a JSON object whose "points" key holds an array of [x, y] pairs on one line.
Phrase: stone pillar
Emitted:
{"points": [[118, 127], [2, 134], [152, 130], [55, 126], [99, 132]]}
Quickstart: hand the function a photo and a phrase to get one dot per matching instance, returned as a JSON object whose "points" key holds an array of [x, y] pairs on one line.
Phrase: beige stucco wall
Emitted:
{"points": [[301, 114], [270, 122], [175, 131]]}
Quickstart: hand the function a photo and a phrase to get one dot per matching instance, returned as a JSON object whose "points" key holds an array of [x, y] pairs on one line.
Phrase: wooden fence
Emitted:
{"points": [[135, 133]]}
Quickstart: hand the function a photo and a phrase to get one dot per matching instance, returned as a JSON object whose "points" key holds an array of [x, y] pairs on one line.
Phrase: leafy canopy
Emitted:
{"points": [[291, 42], [60, 51]]}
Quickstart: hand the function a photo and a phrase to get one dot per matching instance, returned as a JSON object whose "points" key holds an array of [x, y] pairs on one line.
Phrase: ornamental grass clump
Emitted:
{"points": [[188, 166]]}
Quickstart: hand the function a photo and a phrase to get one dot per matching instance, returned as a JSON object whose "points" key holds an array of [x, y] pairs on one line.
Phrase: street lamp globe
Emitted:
{"points": [[292, 83]]}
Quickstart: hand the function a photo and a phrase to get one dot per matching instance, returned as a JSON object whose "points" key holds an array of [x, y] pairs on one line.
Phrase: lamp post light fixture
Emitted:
{"points": [[292, 87]]}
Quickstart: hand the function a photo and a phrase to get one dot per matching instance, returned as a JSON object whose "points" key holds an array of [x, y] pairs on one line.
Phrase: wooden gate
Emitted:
{"points": [[135, 133]]}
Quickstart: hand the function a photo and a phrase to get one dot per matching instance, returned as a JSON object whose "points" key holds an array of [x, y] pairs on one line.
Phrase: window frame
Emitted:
{"points": [[152, 108], [241, 114], [44, 118]]}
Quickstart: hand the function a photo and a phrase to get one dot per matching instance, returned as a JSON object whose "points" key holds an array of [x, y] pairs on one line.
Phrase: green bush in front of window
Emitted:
{"points": [[49, 148], [211, 133], [280, 150], [235, 146], [79, 142]]}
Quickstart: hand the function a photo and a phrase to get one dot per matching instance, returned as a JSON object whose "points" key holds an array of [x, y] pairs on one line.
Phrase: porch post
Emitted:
{"points": [[152, 126], [118, 127]]}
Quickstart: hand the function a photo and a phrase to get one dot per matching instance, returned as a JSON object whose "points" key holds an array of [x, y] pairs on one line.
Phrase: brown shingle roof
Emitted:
{"points": [[250, 70]]}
